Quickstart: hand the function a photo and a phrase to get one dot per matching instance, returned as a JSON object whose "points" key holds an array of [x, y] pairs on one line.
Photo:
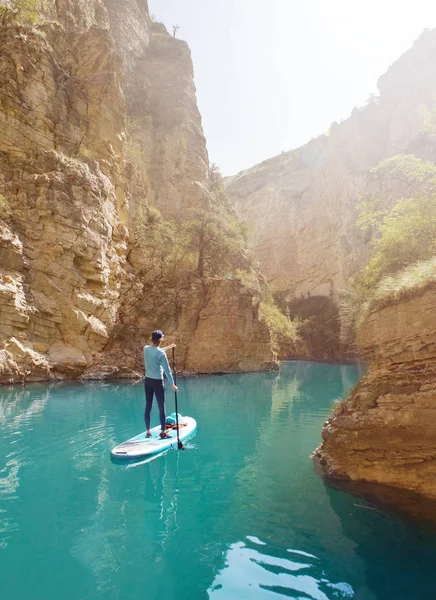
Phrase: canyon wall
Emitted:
{"points": [[161, 107], [301, 206], [82, 88], [385, 431]]}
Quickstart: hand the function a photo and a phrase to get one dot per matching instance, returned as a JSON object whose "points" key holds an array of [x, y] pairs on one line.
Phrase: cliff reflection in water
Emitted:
{"points": [[18, 408], [397, 554]]}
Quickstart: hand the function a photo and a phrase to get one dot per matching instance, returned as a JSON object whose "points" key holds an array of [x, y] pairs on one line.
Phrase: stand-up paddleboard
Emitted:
{"points": [[141, 447]]}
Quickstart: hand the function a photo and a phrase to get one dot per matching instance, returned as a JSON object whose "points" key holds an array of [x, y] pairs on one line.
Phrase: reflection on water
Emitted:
{"points": [[240, 513], [9, 483], [254, 570], [18, 408]]}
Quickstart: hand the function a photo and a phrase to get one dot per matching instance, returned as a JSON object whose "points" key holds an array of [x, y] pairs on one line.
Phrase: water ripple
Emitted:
{"points": [[9, 484], [256, 570]]}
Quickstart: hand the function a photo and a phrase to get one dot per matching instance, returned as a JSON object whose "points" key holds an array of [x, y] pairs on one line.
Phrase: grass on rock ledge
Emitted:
{"points": [[406, 283]]}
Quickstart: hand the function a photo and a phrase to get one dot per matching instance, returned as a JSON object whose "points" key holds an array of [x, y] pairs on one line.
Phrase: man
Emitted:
{"points": [[156, 364]]}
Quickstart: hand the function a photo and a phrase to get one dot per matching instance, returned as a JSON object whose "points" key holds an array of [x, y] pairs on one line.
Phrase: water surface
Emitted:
{"points": [[239, 514]]}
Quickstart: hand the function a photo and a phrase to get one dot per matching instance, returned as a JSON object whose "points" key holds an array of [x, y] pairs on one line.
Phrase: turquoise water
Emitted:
{"points": [[239, 514]]}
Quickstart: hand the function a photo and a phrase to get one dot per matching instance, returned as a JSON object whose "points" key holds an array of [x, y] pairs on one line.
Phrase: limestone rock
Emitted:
{"points": [[230, 335], [218, 328], [385, 432], [162, 109]]}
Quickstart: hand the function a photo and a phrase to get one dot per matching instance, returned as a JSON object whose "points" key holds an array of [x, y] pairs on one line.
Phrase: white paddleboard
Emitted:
{"points": [[140, 446]]}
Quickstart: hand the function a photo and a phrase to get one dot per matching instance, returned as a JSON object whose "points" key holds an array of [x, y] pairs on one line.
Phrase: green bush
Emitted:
{"points": [[405, 234], [428, 120], [209, 242], [284, 332], [12, 11], [217, 240]]}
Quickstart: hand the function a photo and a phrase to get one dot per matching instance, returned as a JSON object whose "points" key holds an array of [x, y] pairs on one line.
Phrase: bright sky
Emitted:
{"points": [[271, 74]]}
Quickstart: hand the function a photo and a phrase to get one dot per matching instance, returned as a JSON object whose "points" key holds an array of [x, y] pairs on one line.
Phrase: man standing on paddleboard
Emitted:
{"points": [[156, 364]]}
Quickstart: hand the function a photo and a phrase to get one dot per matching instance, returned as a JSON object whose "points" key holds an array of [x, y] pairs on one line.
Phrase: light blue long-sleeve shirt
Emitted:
{"points": [[156, 363]]}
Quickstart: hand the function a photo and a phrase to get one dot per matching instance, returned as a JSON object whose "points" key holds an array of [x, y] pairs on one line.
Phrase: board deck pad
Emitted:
{"points": [[140, 446]]}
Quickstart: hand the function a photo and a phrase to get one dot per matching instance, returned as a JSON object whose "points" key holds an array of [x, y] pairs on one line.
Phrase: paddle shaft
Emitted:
{"points": [[179, 442]]}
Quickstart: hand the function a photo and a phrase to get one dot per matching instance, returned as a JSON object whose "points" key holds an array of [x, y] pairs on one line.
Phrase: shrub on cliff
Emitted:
{"points": [[406, 233], [403, 237], [284, 332], [12, 11], [168, 255], [210, 241], [217, 241]]}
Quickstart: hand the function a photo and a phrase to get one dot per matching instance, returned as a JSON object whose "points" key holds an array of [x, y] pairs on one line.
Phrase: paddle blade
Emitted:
{"points": [[180, 445]]}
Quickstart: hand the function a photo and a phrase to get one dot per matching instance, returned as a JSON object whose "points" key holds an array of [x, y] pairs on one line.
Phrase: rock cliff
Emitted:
{"points": [[161, 106], [301, 205], [385, 432], [85, 93]]}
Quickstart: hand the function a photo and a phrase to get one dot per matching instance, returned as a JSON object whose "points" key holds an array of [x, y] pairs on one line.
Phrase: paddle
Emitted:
{"points": [[179, 441]]}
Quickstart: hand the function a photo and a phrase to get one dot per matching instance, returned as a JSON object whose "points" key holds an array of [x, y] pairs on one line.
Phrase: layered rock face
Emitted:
{"points": [[68, 198], [301, 206], [217, 328], [240, 342], [386, 431], [64, 246]]}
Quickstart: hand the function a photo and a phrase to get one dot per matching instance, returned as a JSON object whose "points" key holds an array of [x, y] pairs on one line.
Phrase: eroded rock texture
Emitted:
{"points": [[61, 161], [386, 431], [69, 200]]}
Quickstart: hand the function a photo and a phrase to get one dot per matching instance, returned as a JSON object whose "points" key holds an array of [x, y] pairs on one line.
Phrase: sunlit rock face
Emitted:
{"points": [[161, 107], [64, 245], [69, 199], [301, 206], [386, 430]]}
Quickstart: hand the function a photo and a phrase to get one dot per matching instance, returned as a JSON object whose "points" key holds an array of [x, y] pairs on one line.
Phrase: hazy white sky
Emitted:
{"points": [[271, 74]]}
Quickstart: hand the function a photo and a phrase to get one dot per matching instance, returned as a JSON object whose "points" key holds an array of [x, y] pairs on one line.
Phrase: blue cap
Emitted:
{"points": [[157, 334]]}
